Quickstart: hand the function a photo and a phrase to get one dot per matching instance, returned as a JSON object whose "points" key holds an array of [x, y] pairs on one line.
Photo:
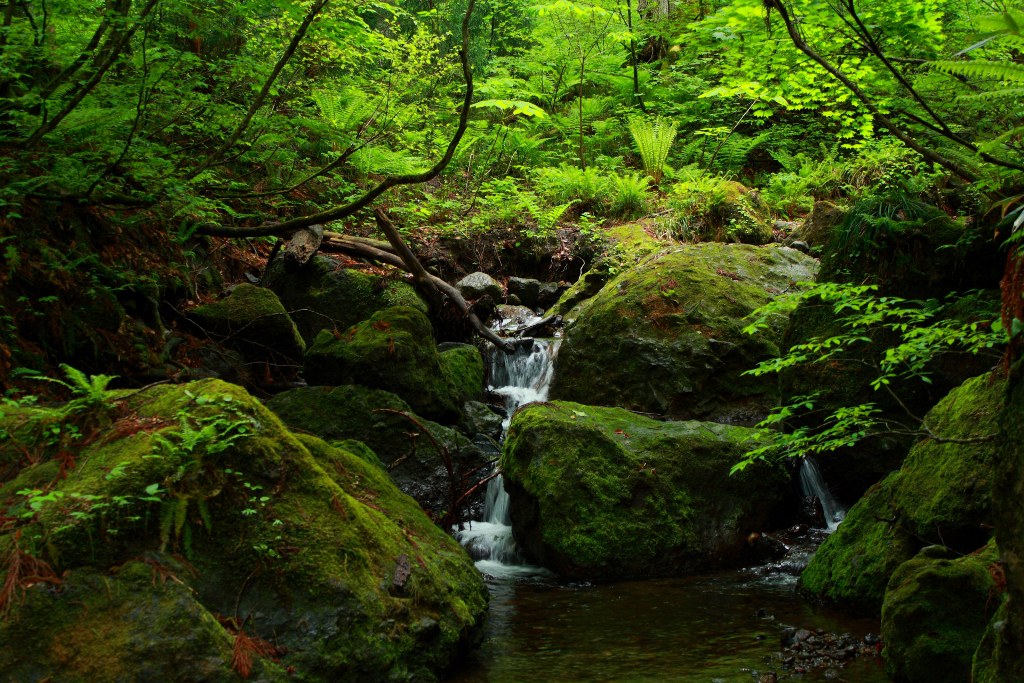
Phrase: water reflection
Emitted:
{"points": [[724, 628]]}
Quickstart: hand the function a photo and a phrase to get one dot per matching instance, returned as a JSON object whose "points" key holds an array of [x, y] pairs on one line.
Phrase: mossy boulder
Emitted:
{"points": [[845, 379], [324, 295], [252, 320], [1000, 657], [934, 615], [941, 495], [603, 493], [314, 547], [395, 350], [139, 622], [463, 364], [666, 337], [406, 443]]}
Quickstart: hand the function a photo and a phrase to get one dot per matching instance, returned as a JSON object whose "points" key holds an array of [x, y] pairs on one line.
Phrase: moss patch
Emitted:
{"points": [[934, 615], [666, 337], [601, 492], [942, 494]]}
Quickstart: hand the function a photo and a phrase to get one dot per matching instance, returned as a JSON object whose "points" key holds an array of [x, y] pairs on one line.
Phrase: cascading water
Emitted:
{"points": [[521, 377], [812, 483]]}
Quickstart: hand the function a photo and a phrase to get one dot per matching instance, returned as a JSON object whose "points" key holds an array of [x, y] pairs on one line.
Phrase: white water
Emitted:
{"points": [[521, 377], [812, 483]]}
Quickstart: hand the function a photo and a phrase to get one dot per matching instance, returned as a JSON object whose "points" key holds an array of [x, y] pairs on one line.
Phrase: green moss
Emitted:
{"points": [[331, 561], [252, 320], [464, 366], [666, 337], [941, 494], [934, 616], [394, 350], [601, 492], [326, 296]]}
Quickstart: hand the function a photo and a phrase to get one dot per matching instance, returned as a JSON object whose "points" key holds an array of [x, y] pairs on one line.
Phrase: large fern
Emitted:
{"points": [[653, 140]]}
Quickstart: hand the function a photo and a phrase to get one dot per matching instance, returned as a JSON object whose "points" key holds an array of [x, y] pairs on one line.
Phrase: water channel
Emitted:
{"points": [[721, 628]]}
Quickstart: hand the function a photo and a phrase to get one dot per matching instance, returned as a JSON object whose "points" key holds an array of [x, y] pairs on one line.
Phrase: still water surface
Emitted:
{"points": [[723, 628]]}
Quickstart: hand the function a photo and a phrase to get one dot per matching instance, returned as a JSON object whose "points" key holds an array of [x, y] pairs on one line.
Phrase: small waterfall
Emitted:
{"points": [[521, 377], [812, 483]]}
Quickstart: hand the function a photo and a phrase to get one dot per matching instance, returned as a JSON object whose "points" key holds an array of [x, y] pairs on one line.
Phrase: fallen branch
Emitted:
{"points": [[359, 248], [303, 244]]}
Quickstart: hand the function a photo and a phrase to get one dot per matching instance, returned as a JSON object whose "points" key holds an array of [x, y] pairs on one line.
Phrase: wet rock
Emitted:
{"points": [[811, 512], [479, 418], [666, 337], [604, 493], [942, 494], [478, 285]]}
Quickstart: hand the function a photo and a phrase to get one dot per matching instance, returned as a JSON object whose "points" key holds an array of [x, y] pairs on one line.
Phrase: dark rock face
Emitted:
{"points": [[942, 494], [603, 493], [666, 337]]}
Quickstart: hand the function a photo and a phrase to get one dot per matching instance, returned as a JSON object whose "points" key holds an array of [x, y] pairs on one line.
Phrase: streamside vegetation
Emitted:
{"points": [[221, 221]]}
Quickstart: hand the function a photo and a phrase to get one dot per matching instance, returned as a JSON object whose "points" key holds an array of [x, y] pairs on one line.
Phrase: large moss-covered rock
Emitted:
{"points": [[604, 493], [136, 623], [310, 544], [1000, 657], [324, 295], [464, 365], [941, 494], [394, 350], [252, 320], [934, 615], [389, 427], [666, 337]]}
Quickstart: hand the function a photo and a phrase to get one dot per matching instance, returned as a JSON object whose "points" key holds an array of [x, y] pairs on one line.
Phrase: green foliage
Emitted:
{"points": [[921, 335], [569, 184], [629, 194], [654, 141]]}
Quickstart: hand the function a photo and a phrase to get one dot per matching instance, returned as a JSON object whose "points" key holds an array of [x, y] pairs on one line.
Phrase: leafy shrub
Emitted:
{"points": [[802, 181], [710, 207], [629, 194], [569, 184]]}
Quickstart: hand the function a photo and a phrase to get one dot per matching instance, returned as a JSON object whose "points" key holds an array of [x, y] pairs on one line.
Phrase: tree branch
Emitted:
{"points": [[801, 44], [340, 212]]}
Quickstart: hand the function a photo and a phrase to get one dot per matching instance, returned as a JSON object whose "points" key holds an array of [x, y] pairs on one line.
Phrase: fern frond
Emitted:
{"points": [[983, 69], [653, 140]]}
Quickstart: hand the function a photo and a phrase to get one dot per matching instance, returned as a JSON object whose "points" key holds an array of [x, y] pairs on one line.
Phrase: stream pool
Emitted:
{"points": [[720, 628]]}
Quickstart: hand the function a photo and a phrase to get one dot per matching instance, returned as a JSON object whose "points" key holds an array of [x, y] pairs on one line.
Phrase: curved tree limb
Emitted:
{"points": [[360, 248], [902, 135], [340, 212]]}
